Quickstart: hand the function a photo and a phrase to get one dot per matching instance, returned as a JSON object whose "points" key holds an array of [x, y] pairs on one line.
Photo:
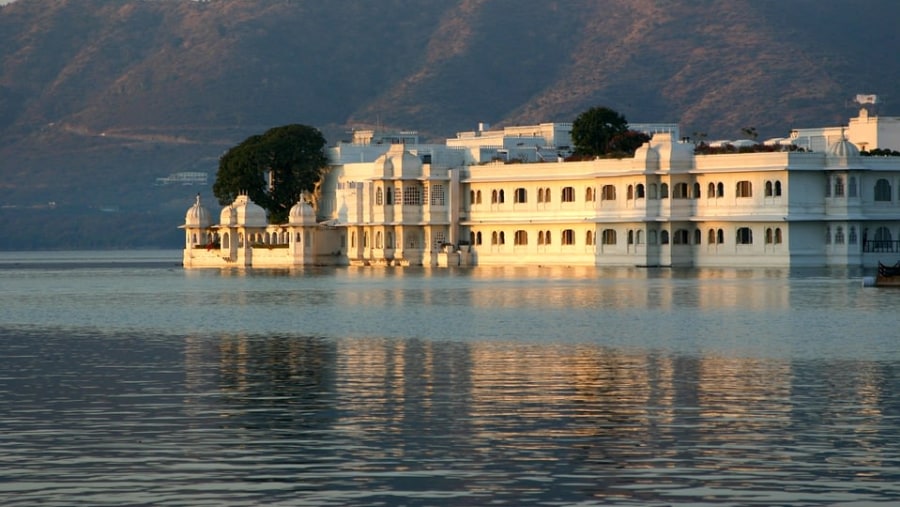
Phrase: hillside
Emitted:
{"points": [[100, 98]]}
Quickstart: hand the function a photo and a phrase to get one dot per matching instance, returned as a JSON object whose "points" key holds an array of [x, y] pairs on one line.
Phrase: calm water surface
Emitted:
{"points": [[125, 380]]}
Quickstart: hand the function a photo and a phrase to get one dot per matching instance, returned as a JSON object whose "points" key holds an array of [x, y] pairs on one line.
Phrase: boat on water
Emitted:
{"points": [[888, 276]]}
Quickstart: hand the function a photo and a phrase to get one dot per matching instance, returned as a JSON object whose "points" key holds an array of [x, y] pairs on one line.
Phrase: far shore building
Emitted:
{"points": [[494, 198]]}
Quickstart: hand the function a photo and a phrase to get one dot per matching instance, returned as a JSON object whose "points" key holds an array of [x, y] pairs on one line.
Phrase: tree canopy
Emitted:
{"points": [[273, 169], [595, 130]]}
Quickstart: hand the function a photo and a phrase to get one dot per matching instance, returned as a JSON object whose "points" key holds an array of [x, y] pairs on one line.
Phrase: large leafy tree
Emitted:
{"points": [[273, 169], [594, 129]]}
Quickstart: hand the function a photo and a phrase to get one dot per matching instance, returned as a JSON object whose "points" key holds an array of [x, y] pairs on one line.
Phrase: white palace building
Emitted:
{"points": [[506, 197]]}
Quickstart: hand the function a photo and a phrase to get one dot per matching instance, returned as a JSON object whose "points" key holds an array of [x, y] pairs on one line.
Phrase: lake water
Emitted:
{"points": [[126, 380]]}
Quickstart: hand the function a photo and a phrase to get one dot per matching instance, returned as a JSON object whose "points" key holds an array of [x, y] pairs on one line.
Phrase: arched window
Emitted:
{"points": [[828, 235], [568, 194], [589, 238], [365, 240], [477, 196], [882, 190], [502, 238], [378, 240], [546, 194], [663, 190], [696, 192], [680, 191], [697, 236], [769, 190], [608, 193], [744, 189], [777, 188], [379, 196], [852, 236], [494, 238], [494, 197], [839, 235], [882, 234], [520, 237], [711, 190], [711, 237], [769, 236], [226, 240], [471, 197], [589, 194], [720, 189], [608, 236], [568, 237], [681, 237], [651, 191], [353, 239], [639, 191], [744, 236], [639, 237], [502, 198], [540, 195], [547, 237], [520, 195], [630, 236], [478, 238], [390, 239], [390, 197], [663, 237], [540, 237], [852, 187], [720, 236], [778, 235], [298, 238], [629, 192], [839, 186]]}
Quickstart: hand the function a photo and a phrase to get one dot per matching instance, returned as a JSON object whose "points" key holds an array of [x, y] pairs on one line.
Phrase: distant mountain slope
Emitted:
{"points": [[99, 97]]}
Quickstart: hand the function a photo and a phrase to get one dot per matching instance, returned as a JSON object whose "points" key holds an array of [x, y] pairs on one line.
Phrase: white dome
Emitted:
{"points": [[197, 216], [302, 213], [248, 213], [843, 149], [228, 216]]}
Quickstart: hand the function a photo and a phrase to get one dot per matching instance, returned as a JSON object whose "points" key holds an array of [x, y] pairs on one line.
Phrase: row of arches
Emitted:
{"points": [[681, 236], [680, 190], [212, 239]]}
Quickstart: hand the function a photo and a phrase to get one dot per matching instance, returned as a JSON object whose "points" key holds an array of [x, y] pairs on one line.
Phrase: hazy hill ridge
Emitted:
{"points": [[98, 97]]}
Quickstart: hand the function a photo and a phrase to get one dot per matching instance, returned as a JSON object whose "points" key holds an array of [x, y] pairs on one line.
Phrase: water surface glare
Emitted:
{"points": [[125, 380]]}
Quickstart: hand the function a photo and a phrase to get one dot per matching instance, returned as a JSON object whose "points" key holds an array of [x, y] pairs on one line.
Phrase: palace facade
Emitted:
{"points": [[510, 199]]}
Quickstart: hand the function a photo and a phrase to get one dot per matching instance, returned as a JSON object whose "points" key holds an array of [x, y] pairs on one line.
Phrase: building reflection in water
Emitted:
{"points": [[399, 403]]}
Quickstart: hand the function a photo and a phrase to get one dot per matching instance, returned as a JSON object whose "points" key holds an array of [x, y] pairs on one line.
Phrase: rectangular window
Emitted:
{"points": [[412, 196], [568, 194], [744, 189], [568, 237], [437, 195]]}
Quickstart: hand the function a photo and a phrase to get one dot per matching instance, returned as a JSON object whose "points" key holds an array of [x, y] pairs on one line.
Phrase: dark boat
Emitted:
{"points": [[888, 276]]}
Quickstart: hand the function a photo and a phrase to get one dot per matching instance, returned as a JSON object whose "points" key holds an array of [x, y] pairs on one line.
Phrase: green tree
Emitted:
{"points": [[593, 130], [273, 169]]}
